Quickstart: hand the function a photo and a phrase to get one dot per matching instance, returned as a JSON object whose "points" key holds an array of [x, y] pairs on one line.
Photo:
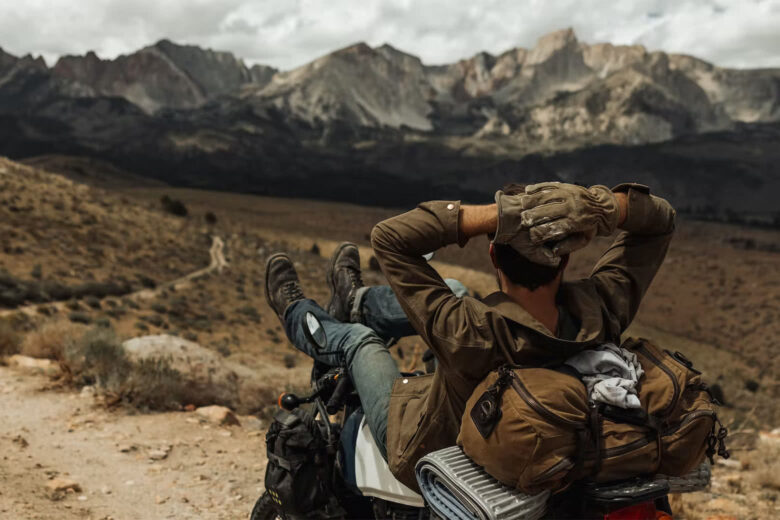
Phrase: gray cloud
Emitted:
{"points": [[288, 33]]}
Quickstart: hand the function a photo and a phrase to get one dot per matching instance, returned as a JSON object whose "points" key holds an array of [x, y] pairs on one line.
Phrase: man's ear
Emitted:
{"points": [[492, 251]]}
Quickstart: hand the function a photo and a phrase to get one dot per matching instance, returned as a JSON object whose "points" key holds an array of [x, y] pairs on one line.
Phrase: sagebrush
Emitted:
{"points": [[97, 358]]}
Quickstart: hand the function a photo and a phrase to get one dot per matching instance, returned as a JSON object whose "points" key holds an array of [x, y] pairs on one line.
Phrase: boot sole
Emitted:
{"points": [[267, 268], [331, 268]]}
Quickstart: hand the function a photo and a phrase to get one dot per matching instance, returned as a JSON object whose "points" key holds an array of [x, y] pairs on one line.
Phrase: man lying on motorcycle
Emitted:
{"points": [[534, 319]]}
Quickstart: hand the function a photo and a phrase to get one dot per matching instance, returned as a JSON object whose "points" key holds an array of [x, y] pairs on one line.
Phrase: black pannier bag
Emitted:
{"points": [[297, 469]]}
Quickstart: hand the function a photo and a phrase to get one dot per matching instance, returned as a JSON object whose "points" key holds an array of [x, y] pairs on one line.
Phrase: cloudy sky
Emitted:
{"points": [[287, 33]]}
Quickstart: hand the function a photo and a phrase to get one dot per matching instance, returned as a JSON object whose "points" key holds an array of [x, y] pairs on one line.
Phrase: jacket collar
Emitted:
{"points": [[583, 305]]}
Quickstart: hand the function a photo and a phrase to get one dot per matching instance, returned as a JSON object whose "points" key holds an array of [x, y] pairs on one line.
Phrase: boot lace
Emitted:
{"points": [[355, 278], [292, 290]]}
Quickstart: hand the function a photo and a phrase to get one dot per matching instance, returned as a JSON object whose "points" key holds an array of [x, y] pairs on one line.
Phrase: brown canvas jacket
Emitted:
{"points": [[470, 336]]}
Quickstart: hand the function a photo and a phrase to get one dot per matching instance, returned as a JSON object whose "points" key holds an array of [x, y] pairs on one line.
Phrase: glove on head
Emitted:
{"points": [[555, 211], [510, 231]]}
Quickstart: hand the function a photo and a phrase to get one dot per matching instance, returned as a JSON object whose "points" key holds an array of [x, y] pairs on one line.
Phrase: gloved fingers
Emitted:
{"points": [[539, 254], [546, 196], [509, 209], [570, 244], [541, 186], [552, 231], [544, 213]]}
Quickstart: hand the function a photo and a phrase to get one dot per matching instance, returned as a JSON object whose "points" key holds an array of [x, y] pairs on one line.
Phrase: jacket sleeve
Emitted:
{"points": [[454, 328], [627, 268]]}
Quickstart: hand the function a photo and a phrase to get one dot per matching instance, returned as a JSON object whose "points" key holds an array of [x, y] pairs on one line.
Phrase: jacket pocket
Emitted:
{"points": [[405, 415]]}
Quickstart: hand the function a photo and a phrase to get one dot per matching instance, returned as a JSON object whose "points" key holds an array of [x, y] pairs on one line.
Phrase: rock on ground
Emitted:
{"points": [[59, 487], [218, 415], [44, 366]]}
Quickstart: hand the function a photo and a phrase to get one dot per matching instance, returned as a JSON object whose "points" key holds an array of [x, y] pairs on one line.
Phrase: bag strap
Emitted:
{"points": [[486, 412], [635, 416], [588, 439], [595, 422]]}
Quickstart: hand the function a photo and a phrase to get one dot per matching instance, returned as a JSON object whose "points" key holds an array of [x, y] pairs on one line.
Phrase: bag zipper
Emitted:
{"points": [[631, 446], [620, 450], [555, 468], [683, 361], [669, 373], [610, 452], [688, 419], [520, 388]]}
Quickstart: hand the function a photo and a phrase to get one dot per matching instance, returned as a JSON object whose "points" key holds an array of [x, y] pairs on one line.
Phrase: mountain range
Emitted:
{"points": [[204, 118]]}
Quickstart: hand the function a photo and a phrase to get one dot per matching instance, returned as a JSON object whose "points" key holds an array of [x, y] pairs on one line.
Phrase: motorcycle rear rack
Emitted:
{"points": [[457, 488]]}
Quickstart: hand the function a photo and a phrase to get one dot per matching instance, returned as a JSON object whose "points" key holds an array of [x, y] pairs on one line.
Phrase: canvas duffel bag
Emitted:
{"points": [[533, 428]]}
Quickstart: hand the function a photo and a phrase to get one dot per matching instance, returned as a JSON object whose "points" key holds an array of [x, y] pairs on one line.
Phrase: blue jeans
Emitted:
{"points": [[361, 347]]}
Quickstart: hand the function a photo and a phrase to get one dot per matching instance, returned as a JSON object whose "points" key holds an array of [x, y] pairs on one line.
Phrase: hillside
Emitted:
{"points": [[715, 299], [61, 233]]}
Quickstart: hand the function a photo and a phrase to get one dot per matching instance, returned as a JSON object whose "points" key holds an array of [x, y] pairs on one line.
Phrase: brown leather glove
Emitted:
{"points": [[510, 231], [568, 215]]}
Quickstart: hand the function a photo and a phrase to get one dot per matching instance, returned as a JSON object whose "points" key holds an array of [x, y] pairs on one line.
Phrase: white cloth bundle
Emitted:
{"points": [[611, 374]]}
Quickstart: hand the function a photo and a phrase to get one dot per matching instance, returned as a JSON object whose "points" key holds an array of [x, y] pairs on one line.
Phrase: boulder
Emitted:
{"points": [[44, 366], [204, 374], [218, 415]]}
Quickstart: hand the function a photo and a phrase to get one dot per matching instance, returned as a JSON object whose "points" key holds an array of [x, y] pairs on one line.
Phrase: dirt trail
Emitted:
{"points": [[217, 263], [210, 472]]}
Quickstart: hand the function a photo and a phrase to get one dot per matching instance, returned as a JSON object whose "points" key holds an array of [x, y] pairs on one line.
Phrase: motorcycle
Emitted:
{"points": [[361, 485]]}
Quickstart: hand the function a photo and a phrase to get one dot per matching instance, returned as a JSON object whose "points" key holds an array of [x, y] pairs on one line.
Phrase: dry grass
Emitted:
{"points": [[97, 358], [87, 241], [51, 339], [763, 465], [9, 339]]}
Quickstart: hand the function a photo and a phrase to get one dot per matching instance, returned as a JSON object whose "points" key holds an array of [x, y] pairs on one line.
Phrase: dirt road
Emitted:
{"points": [[150, 466]]}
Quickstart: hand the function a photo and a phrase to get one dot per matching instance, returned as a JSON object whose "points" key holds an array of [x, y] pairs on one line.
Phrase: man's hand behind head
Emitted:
{"points": [[568, 214], [511, 231]]}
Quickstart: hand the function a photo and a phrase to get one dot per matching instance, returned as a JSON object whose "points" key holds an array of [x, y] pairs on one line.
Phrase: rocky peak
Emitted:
{"points": [[261, 75], [356, 50], [358, 85], [164, 74], [508, 64], [605, 58], [478, 74], [214, 72], [9, 62], [550, 44], [402, 59]]}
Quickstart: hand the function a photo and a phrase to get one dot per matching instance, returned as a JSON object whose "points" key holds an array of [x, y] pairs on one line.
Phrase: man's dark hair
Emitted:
{"points": [[518, 268]]}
